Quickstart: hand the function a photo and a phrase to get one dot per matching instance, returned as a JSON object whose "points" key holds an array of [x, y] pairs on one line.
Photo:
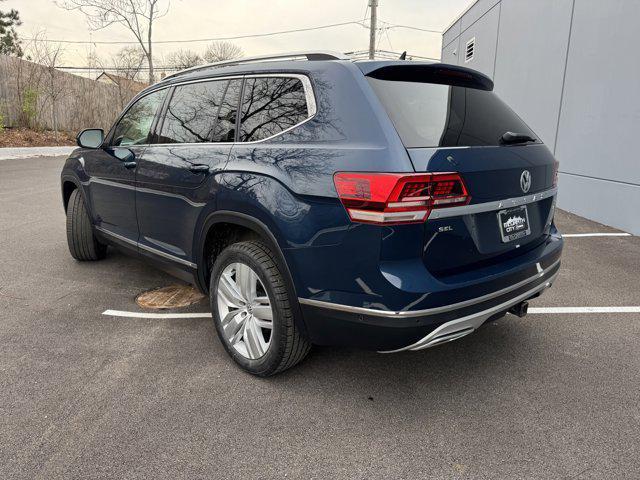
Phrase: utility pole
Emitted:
{"points": [[373, 4]]}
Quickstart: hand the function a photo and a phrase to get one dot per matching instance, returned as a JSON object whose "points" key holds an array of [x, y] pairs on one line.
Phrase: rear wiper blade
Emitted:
{"points": [[509, 138]]}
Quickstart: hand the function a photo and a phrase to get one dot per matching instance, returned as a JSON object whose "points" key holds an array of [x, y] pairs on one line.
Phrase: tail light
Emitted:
{"points": [[392, 198], [556, 165]]}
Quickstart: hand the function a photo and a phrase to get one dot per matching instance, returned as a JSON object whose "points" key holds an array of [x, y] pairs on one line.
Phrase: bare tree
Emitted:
{"points": [[127, 65], [54, 85], [28, 78], [39, 85], [135, 15], [219, 51], [182, 59], [128, 62]]}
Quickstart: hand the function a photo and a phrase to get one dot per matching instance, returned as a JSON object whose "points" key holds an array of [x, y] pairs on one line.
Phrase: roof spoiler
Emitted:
{"points": [[440, 73]]}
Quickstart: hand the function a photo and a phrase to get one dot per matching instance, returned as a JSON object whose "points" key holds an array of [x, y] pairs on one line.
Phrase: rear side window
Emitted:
{"points": [[438, 115], [271, 105], [192, 112]]}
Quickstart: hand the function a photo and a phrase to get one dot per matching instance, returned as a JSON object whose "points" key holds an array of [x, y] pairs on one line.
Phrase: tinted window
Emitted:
{"points": [[192, 112], [271, 105], [134, 127], [431, 115]]}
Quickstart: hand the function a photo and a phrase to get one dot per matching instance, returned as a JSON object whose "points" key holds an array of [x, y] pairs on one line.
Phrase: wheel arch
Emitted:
{"points": [[70, 183], [242, 220], [260, 232]]}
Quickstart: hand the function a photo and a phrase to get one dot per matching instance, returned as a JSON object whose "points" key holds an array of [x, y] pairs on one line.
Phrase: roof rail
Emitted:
{"points": [[309, 55]]}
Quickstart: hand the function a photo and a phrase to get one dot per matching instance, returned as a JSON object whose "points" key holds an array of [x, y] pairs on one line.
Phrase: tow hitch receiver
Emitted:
{"points": [[520, 309]]}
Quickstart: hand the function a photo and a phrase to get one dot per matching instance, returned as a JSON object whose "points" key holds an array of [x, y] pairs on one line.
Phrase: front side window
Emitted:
{"points": [[271, 105], [135, 126], [192, 112]]}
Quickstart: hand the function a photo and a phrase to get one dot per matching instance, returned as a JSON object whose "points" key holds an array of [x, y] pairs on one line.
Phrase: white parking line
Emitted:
{"points": [[584, 310], [569, 235], [120, 313], [533, 310]]}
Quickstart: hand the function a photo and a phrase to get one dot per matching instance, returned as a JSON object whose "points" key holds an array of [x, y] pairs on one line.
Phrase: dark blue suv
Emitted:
{"points": [[388, 205]]}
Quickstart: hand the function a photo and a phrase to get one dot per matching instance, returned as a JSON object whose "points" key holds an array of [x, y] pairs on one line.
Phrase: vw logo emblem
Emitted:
{"points": [[525, 181]]}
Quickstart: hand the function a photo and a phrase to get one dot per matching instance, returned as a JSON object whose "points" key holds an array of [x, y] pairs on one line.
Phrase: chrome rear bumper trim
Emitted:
{"points": [[429, 311], [490, 206], [461, 327]]}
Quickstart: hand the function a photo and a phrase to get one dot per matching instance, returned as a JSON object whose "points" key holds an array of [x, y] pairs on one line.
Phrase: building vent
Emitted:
{"points": [[469, 50]]}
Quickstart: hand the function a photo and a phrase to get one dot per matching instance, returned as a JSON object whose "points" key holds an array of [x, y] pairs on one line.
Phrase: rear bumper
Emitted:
{"points": [[391, 331]]}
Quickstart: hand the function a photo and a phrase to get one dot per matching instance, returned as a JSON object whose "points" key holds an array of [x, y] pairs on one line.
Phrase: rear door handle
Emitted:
{"points": [[199, 168]]}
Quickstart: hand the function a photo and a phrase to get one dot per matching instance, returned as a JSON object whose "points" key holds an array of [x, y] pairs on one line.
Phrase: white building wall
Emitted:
{"points": [[450, 52], [485, 32], [530, 61], [570, 69]]}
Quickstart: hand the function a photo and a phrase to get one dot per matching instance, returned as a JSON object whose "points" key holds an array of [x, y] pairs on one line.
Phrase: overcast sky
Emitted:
{"points": [[188, 19]]}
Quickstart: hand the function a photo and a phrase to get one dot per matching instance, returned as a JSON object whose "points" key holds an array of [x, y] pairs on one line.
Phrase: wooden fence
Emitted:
{"points": [[40, 97]]}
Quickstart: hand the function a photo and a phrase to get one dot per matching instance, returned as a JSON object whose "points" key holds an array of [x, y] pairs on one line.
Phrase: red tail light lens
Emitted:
{"points": [[392, 198]]}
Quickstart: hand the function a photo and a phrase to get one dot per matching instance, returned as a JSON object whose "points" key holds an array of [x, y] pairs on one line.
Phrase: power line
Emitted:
{"points": [[386, 32], [363, 54], [410, 27], [366, 10], [237, 37], [118, 69]]}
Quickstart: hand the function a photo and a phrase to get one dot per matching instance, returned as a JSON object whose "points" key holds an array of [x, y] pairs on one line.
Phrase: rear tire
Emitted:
{"points": [[281, 344], [83, 245]]}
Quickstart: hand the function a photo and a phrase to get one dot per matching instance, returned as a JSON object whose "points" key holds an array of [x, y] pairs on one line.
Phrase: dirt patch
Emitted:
{"points": [[173, 296], [23, 137]]}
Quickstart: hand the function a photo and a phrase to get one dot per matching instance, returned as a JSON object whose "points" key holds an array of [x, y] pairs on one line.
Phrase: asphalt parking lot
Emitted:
{"points": [[87, 395]]}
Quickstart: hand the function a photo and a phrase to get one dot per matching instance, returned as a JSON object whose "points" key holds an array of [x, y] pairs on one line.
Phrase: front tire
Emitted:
{"points": [[83, 245], [252, 310]]}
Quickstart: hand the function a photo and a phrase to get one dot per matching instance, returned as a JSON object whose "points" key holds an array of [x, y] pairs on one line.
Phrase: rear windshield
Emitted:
{"points": [[434, 115]]}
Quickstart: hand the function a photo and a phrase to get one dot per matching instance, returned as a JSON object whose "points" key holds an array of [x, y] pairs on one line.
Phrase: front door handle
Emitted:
{"points": [[129, 165], [199, 168]]}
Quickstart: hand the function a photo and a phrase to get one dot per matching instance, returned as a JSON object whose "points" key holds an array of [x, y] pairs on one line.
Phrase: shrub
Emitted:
{"points": [[29, 111]]}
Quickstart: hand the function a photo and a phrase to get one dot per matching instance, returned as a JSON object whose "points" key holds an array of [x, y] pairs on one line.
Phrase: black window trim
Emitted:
{"points": [[236, 135], [159, 122], [308, 91]]}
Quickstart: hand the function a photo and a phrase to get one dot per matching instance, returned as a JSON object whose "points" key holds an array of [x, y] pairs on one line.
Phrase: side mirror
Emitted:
{"points": [[124, 154], [90, 138]]}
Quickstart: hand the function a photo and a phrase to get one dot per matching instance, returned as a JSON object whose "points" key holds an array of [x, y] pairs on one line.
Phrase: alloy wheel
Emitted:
{"points": [[245, 311]]}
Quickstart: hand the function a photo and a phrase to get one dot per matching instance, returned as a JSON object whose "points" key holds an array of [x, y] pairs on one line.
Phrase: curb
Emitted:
{"points": [[31, 152]]}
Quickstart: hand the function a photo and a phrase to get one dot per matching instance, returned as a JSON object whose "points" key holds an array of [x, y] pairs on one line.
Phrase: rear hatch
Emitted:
{"points": [[450, 120]]}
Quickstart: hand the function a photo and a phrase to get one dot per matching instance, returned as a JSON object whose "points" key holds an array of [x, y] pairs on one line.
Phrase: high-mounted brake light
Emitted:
{"points": [[392, 198]]}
